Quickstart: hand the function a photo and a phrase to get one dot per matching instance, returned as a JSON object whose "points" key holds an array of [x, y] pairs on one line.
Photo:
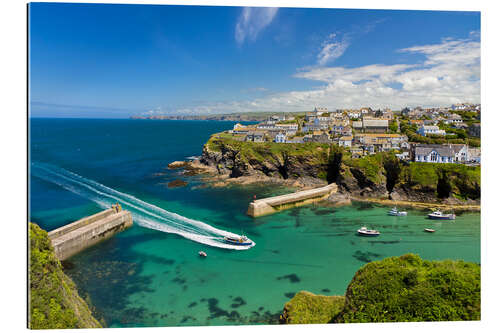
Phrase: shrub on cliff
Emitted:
{"points": [[446, 179], [54, 300], [308, 308], [407, 288]]}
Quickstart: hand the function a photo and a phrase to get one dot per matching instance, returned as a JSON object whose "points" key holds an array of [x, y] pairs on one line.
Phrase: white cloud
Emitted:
{"points": [[332, 48], [251, 21], [449, 73]]}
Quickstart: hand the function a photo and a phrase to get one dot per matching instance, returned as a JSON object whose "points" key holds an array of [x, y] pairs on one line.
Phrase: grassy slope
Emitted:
{"points": [[54, 300], [308, 308], [408, 288], [397, 289], [265, 151]]}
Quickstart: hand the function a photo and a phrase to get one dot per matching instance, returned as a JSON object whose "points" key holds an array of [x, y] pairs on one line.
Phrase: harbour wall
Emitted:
{"points": [[275, 204], [79, 235]]}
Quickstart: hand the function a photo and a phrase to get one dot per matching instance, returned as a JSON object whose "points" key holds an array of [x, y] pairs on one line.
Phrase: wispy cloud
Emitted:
{"points": [[336, 43], [332, 48], [252, 21], [449, 73]]}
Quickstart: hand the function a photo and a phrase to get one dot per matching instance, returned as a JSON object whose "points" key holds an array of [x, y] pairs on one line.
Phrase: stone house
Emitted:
{"points": [[255, 136]]}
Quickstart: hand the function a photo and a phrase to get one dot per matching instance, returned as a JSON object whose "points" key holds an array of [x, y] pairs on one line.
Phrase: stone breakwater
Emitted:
{"points": [[275, 204], [79, 235]]}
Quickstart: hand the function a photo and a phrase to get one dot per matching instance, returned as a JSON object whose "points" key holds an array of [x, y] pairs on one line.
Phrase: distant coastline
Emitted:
{"points": [[247, 116]]}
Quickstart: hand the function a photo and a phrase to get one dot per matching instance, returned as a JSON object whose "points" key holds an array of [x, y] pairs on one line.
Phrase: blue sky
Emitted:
{"points": [[98, 60]]}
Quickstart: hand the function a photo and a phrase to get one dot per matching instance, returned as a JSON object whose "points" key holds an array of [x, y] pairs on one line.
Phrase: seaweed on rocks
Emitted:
{"points": [[292, 277]]}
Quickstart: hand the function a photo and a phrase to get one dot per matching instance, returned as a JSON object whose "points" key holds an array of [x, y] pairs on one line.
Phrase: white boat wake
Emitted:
{"points": [[143, 213]]}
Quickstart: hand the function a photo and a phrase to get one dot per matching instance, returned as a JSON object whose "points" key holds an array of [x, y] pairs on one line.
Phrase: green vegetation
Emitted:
{"points": [[446, 179], [457, 136], [408, 288], [397, 289], [468, 117], [308, 308], [54, 300], [262, 151], [393, 126], [371, 166]]}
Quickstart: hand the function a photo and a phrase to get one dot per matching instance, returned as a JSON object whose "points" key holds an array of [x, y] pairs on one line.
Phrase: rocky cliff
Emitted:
{"points": [[380, 175]]}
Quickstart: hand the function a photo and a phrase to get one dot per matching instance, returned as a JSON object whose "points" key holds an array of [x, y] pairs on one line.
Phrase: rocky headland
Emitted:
{"points": [[380, 177]]}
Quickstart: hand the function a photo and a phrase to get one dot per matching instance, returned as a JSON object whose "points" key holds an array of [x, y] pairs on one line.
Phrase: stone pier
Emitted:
{"points": [[275, 204], [77, 236]]}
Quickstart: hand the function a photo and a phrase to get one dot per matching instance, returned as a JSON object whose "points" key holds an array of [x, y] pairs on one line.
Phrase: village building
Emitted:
{"points": [[453, 119], [357, 152], [441, 153], [432, 130], [280, 138], [382, 141], [369, 125], [345, 141], [255, 136]]}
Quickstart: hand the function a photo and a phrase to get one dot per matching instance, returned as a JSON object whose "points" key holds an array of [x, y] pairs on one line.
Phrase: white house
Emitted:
{"points": [[454, 119], [280, 138], [442, 153], [434, 154], [434, 130], [345, 141]]}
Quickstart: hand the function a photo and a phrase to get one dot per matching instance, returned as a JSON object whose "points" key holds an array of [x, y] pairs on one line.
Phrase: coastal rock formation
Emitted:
{"points": [[177, 164], [177, 183], [309, 165]]}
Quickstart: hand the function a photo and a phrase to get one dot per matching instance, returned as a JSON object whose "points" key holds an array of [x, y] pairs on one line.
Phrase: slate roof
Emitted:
{"points": [[443, 150]]}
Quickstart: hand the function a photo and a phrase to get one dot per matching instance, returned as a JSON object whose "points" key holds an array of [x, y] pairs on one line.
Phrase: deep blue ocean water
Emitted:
{"points": [[149, 276]]}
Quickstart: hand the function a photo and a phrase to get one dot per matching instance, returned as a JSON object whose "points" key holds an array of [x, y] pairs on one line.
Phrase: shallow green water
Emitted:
{"points": [[145, 277]]}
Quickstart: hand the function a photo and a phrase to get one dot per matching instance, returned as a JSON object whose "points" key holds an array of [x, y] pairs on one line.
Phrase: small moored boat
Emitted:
{"points": [[429, 230], [240, 240], [395, 212], [202, 254], [438, 215], [368, 232]]}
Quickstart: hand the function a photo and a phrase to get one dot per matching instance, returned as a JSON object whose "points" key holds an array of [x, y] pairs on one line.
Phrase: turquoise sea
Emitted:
{"points": [[151, 274]]}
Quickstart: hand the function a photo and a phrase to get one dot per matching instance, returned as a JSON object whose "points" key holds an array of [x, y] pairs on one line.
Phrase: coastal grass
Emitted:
{"points": [[308, 308], [407, 288], [396, 289], [54, 302], [262, 151]]}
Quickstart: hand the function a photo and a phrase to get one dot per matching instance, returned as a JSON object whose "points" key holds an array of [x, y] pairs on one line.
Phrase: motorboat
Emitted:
{"points": [[202, 254], [429, 230], [239, 240], [368, 232], [395, 212], [438, 215]]}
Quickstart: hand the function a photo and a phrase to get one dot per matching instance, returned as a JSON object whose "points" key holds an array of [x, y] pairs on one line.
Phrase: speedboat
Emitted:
{"points": [[239, 240], [395, 212], [429, 230], [438, 215], [368, 232], [202, 254]]}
